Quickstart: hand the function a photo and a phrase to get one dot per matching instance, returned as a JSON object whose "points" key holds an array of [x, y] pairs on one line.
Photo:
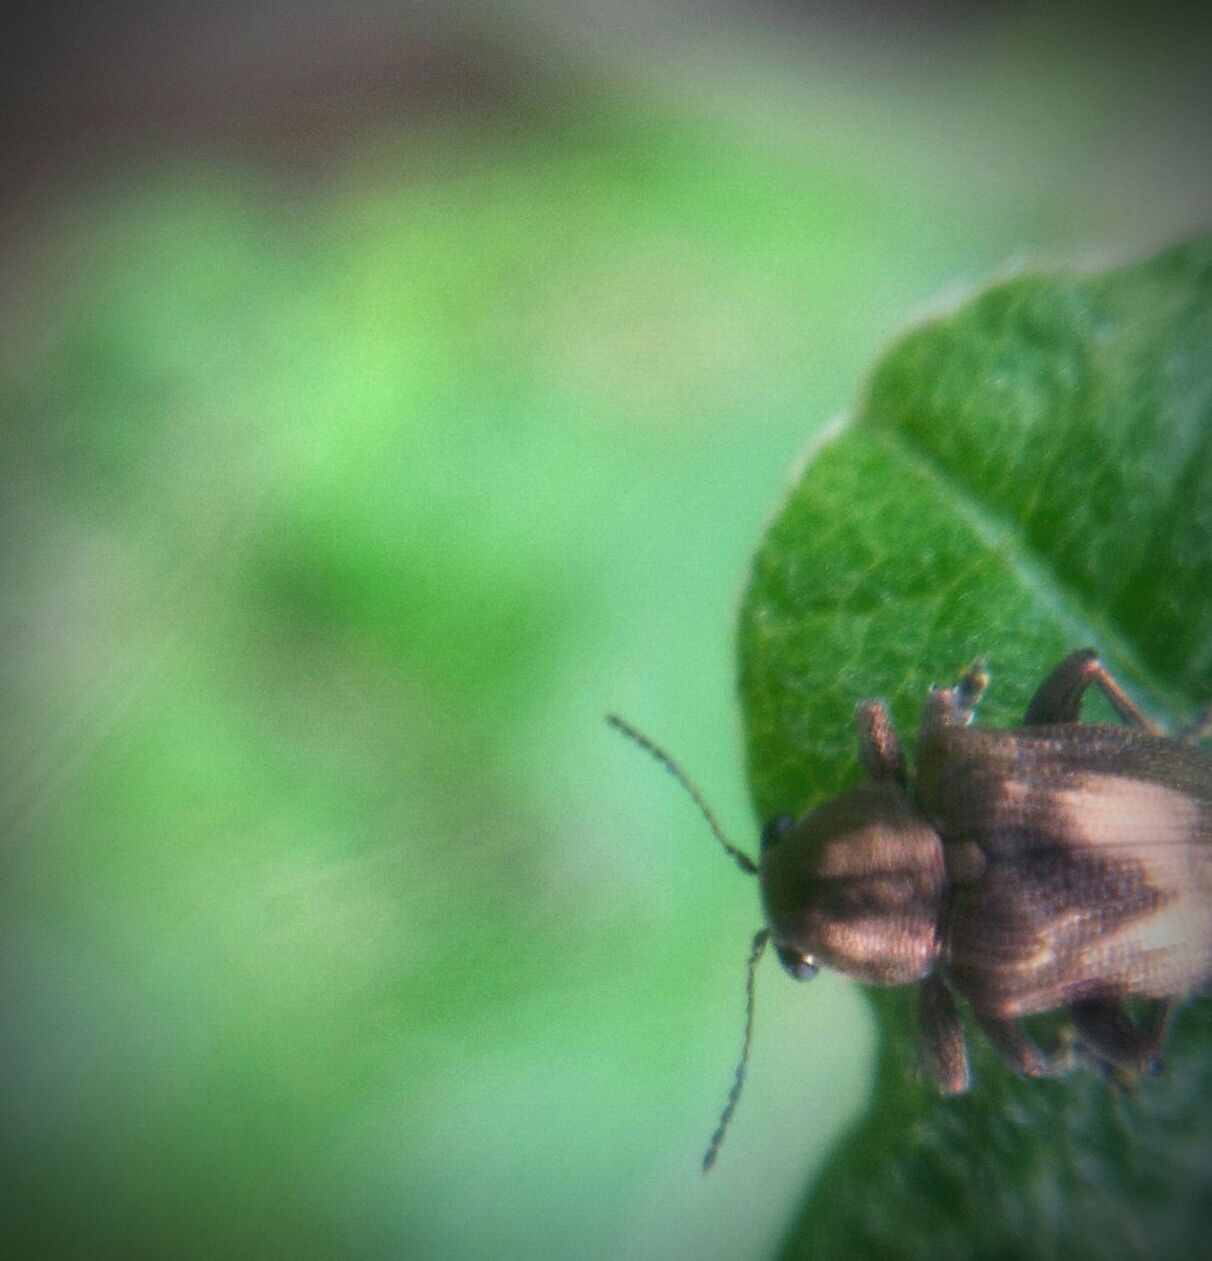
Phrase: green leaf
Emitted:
{"points": [[1026, 475]]}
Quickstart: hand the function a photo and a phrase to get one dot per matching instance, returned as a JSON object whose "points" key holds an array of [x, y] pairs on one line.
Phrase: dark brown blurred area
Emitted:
{"points": [[292, 82], [287, 84], [297, 87]]}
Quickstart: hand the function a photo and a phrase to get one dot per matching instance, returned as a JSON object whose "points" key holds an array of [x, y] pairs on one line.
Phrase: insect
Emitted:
{"points": [[1056, 865]]}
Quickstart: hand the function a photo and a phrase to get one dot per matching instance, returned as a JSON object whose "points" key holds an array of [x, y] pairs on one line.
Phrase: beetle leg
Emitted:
{"points": [[1012, 1042], [956, 706], [1058, 699], [1105, 1025], [971, 687], [944, 1051], [878, 744]]}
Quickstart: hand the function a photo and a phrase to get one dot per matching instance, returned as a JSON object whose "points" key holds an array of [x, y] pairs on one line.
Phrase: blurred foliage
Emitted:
{"points": [[1026, 475], [334, 525]]}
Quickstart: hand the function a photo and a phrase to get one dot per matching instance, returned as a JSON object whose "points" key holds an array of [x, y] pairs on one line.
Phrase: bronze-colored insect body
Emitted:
{"points": [[1057, 865]]}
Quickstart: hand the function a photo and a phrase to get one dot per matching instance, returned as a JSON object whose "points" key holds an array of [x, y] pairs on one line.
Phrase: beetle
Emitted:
{"points": [[1059, 865]]}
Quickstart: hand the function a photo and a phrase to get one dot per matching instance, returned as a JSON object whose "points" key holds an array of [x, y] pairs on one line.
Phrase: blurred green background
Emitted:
{"points": [[389, 391]]}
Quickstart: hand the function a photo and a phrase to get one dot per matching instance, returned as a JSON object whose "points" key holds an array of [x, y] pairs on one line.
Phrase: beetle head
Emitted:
{"points": [[856, 885]]}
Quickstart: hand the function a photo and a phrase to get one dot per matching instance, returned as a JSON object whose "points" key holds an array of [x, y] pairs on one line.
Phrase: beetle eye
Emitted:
{"points": [[776, 829], [799, 967]]}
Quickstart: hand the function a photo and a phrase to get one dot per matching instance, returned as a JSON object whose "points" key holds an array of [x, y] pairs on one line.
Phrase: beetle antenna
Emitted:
{"points": [[743, 861], [713, 1148]]}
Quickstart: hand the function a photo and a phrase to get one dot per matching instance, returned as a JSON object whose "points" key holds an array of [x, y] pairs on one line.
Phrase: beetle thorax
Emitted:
{"points": [[857, 885]]}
